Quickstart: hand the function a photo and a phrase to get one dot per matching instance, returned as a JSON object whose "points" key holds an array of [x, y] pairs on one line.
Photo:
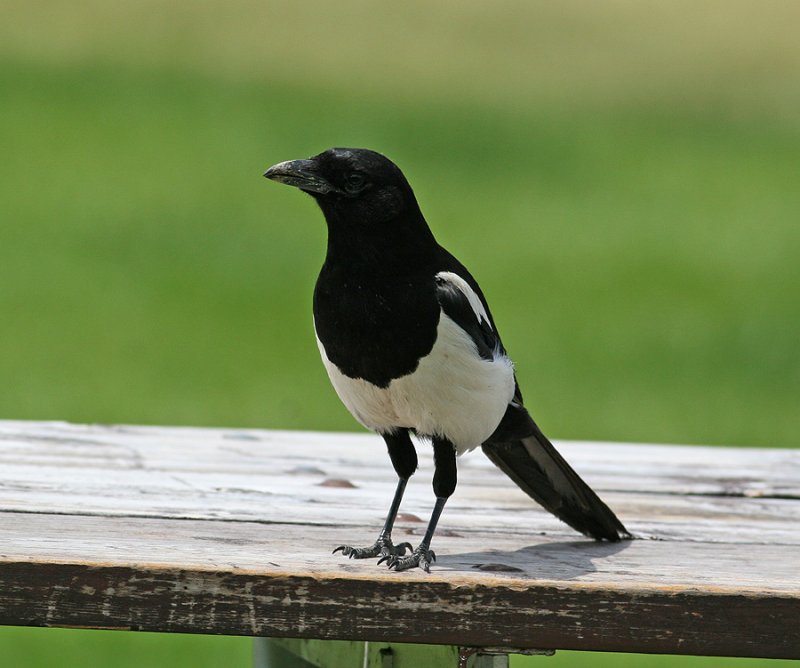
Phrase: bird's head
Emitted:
{"points": [[353, 185]]}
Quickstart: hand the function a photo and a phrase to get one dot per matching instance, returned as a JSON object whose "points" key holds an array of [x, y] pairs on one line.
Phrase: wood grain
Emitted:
{"points": [[230, 531]]}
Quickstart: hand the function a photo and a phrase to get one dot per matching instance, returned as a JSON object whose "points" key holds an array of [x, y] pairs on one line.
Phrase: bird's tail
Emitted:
{"points": [[543, 474]]}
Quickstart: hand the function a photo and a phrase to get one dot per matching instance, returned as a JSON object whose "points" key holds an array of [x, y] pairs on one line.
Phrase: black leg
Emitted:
{"points": [[404, 460], [402, 453], [444, 484], [445, 477]]}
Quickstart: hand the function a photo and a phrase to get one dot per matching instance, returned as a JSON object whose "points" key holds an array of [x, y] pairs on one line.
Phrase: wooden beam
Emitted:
{"points": [[302, 653], [297, 653]]}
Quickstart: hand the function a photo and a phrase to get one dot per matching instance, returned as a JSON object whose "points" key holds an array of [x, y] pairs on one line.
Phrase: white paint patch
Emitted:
{"points": [[474, 301], [453, 392]]}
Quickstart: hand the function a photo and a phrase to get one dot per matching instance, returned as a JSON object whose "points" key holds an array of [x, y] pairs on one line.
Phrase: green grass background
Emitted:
{"points": [[621, 177]]}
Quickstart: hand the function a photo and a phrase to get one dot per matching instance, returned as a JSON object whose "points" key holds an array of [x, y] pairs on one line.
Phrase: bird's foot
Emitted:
{"points": [[422, 557], [383, 548]]}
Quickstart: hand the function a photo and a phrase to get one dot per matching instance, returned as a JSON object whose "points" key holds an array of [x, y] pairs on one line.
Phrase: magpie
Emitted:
{"points": [[410, 346]]}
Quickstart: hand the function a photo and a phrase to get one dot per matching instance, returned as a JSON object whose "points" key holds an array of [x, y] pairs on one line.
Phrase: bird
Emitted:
{"points": [[411, 348]]}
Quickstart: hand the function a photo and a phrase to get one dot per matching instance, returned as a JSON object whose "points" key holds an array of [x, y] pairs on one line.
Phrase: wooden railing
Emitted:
{"points": [[228, 531]]}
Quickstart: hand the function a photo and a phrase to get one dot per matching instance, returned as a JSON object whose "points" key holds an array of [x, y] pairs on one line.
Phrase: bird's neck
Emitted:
{"points": [[399, 246]]}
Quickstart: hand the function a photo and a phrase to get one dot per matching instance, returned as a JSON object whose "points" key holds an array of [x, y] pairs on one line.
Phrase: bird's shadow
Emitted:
{"points": [[565, 560]]}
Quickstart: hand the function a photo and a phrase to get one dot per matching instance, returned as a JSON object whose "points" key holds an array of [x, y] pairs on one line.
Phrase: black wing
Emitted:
{"points": [[447, 262], [518, 447]]}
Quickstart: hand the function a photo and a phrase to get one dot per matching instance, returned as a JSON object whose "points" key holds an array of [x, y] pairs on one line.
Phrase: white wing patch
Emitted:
{"points": [[474, 301]]}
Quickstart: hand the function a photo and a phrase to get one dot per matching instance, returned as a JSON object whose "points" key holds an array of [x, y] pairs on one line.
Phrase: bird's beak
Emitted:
{"points": [[301, 174]]}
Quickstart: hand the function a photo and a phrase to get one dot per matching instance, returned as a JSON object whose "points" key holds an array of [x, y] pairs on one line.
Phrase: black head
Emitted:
{"points": [[350, 184]]}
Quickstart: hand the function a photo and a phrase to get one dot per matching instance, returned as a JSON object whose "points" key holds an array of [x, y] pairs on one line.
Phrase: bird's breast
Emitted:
{"points": [[374, 330], [451, 392]]}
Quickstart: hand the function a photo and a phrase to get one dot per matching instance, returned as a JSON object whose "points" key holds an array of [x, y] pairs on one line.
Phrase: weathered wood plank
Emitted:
{"points": [[485, 611], [226, 531], [463, 556], [648, 468], [199, 473]]}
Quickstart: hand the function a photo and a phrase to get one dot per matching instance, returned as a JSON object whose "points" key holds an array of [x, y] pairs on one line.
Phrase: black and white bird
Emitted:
{"points": [[410, 346]]}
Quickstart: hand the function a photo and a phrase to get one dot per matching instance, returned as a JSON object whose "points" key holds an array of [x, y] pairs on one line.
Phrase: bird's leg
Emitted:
{"points": [[404, 460], [444, 484], [383, 547]]}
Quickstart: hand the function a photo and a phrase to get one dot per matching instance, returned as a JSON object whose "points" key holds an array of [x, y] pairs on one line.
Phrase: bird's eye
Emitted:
{"points": [[354, 182]]}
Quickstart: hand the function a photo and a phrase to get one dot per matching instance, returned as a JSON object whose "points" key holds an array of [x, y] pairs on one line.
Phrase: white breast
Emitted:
{"points": [[453, 392]]}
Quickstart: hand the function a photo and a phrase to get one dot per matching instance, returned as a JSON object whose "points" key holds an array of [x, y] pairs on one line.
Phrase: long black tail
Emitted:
{"points": [[541, 472]]}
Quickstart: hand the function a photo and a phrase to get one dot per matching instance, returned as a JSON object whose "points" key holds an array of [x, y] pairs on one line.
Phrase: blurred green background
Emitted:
{"points": [[622, 177]]}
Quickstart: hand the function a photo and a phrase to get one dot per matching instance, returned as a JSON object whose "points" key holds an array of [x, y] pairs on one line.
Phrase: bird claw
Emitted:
{"points": [[399, 551], [422, 558], [383, 548]]}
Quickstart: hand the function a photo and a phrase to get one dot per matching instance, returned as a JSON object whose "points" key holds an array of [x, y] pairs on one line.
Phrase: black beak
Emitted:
{"points": [[301, 174]]}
